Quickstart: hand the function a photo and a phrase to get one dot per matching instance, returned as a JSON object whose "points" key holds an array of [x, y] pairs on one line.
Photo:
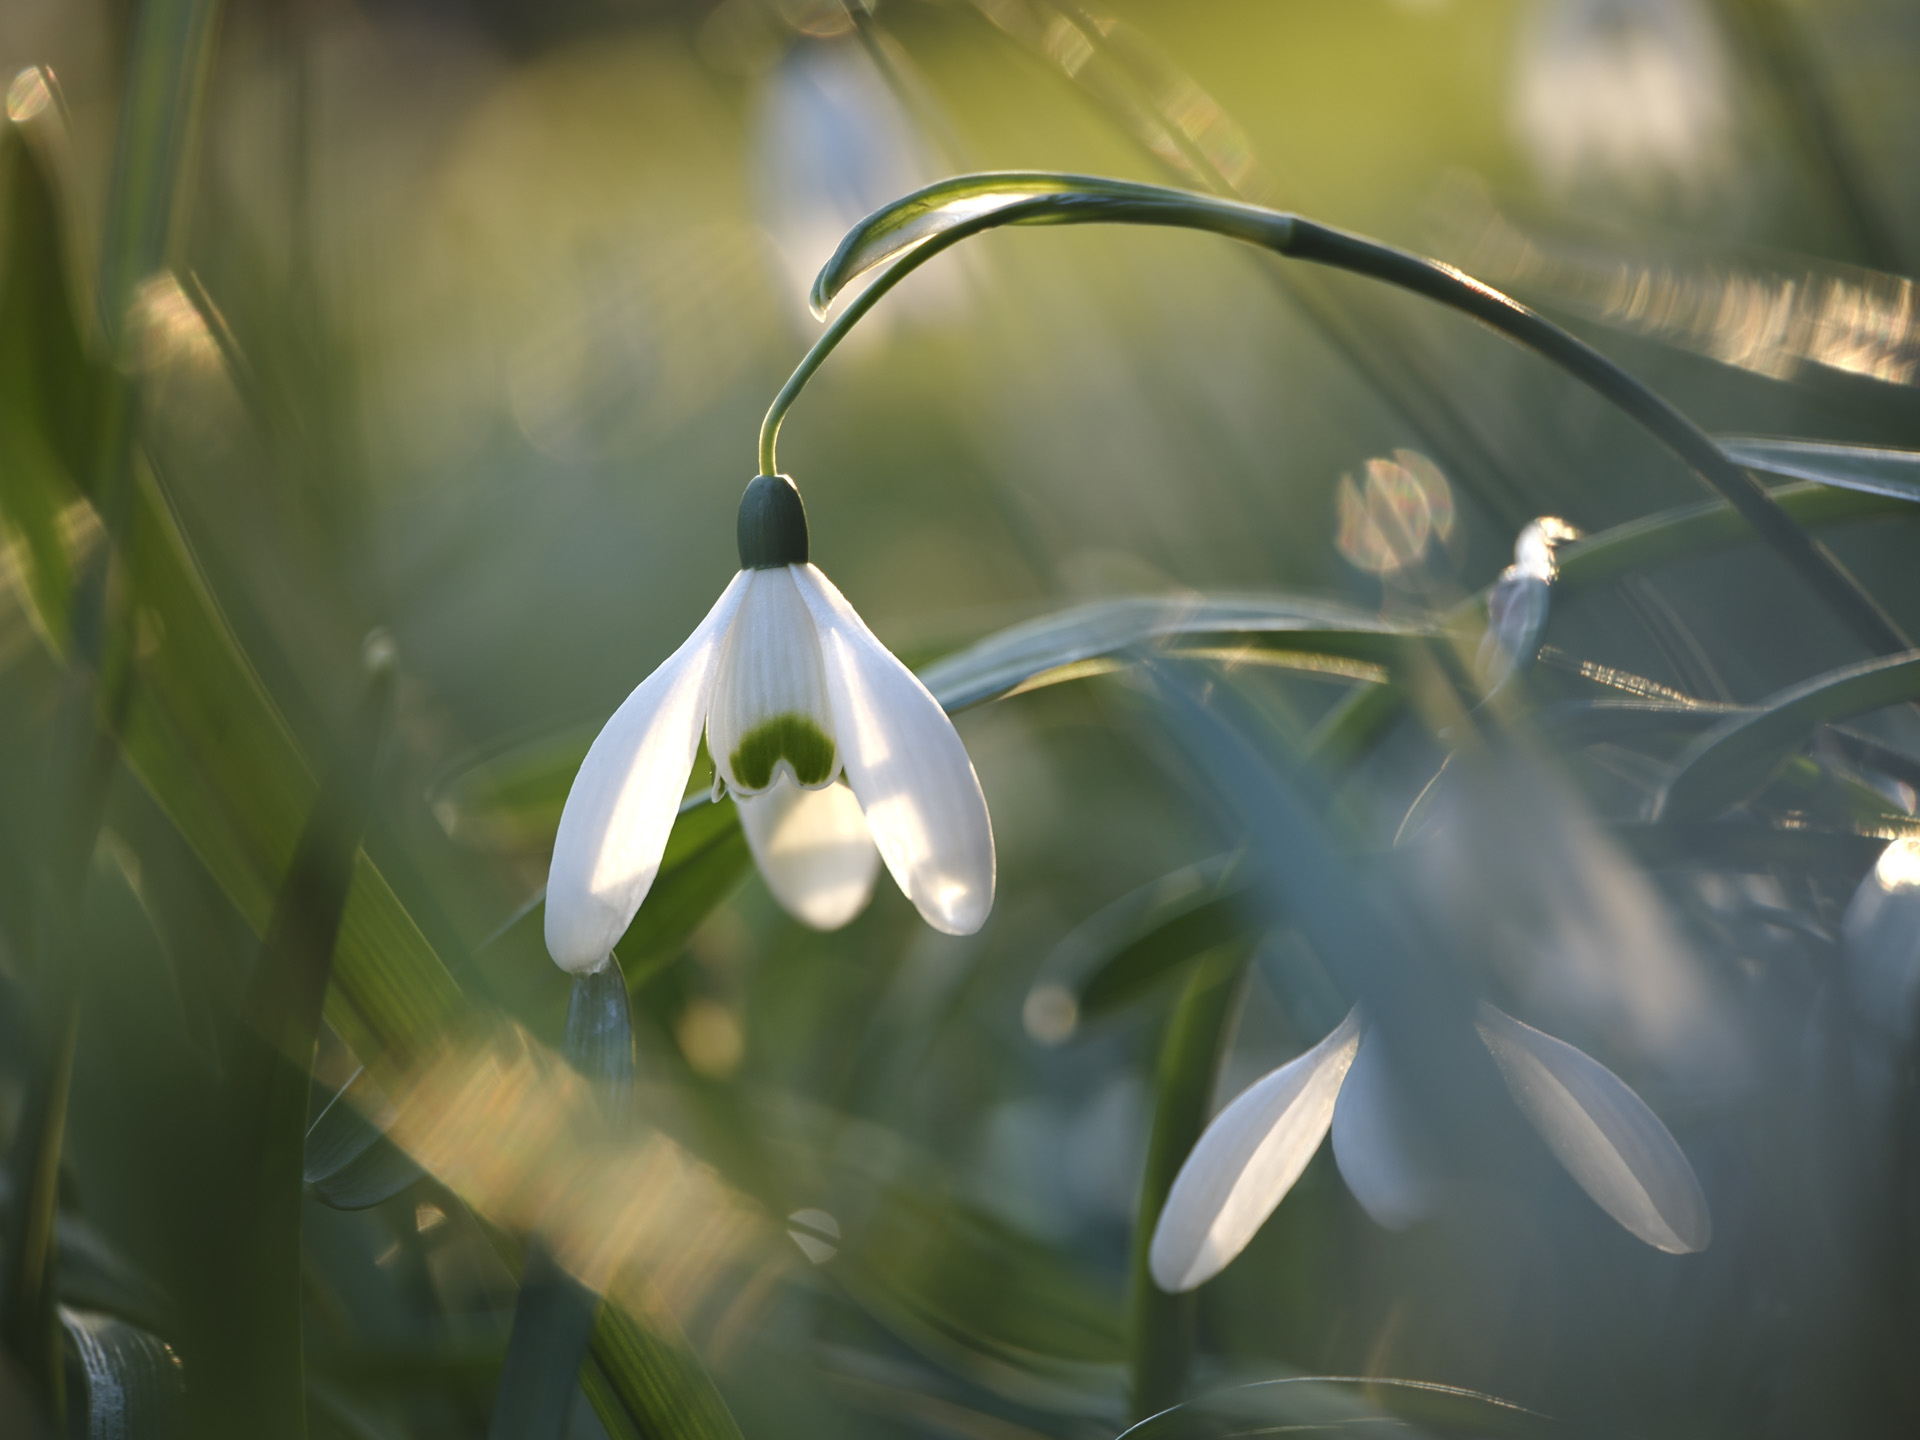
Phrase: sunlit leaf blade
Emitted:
{"points": [[134, 1385], [45, 382], [1247, 1160], [1160, 1339], [1894, 473], [1604, 1134], [256, 1372], [203, 737], [915, 219], [1026, 655], [598, 1041], [552, 1323], [658, 1379], [1733, 759], [1343, 1405]]}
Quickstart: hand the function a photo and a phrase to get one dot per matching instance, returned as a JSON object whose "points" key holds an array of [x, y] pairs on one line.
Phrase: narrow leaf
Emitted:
{"points": [[1160, 1342], [134, 1386], [1732, 760], [911, 221], [1894, 473], [349, 1162], [1061, 645], [29, 1327], [1604, 1134], [552, 1324], [1338, 1405]]}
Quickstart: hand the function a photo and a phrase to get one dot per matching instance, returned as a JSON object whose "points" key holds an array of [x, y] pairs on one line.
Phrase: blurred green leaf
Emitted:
{"points": [[552, 1323], [510, 799], [1160, 1344], [46, 382], [29, 1324], [1341, 1405], [972, 1294], [706, 857], [1122, 950], [1893, 473], [1694, 531], [349, 1162], [134, 1388], [1073, 642], [655, 1376], [1732, 760]]}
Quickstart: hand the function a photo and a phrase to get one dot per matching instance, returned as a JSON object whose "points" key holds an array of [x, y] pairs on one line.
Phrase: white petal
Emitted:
{"points": [[623, 800], [1381, 1156], [1610, 1142], [905, 761], [1246, 1162], [814, 849], [769, 714]]}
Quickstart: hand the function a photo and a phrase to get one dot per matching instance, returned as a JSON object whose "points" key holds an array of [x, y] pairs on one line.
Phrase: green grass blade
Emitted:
{"points": [[552, 1325], [1160, 1342], [29, 1324], [1893, 473], [654, 1374], [1730, 761], [1341, 1405]]}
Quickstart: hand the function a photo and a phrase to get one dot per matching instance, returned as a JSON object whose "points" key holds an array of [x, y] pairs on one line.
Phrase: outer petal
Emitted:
{"points": [[1246, 1162], [1610, 1142], [622, 803], [1381, 1157], [905, 761], [814, 849]]}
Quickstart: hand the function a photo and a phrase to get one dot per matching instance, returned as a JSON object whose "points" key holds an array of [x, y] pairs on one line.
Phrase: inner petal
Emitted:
{"points": [[770, 714]]}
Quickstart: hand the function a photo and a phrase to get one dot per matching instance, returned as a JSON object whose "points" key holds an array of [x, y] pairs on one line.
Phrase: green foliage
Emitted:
{"points": [[303, 1133]]}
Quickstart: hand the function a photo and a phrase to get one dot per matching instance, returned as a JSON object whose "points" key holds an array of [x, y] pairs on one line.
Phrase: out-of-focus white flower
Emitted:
{"points": [[1517, 604], [834, 144], [1880, 937], [1630, 96], [1249, 1157], [792, 691]]}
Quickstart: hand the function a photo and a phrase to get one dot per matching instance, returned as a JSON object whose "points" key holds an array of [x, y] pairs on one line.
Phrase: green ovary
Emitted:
{"points": [[796, 738]]}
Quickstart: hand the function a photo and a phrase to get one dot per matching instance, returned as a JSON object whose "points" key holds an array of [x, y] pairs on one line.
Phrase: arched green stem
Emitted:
{"points": [[918, 227]]}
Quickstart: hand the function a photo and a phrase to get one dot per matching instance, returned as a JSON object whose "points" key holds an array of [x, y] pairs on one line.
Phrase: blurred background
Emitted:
{"points": [[463, 320]]}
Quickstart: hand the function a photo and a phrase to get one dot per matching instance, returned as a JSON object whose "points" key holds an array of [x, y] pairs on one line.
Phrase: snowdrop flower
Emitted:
{"points": [[793, 691], [1625, 95], [1249, 1157], [1517, 603]]}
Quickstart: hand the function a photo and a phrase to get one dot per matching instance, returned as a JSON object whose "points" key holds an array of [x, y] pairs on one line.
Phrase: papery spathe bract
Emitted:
{"points": [[792, 690]]}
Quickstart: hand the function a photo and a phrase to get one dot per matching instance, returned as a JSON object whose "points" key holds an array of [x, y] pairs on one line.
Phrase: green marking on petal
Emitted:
{"points": [[795, 738]]}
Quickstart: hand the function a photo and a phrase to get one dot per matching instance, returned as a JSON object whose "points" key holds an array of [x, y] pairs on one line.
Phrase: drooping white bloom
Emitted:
{"points": [[793, 692], [1253, 1151], [1517, 603]]}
